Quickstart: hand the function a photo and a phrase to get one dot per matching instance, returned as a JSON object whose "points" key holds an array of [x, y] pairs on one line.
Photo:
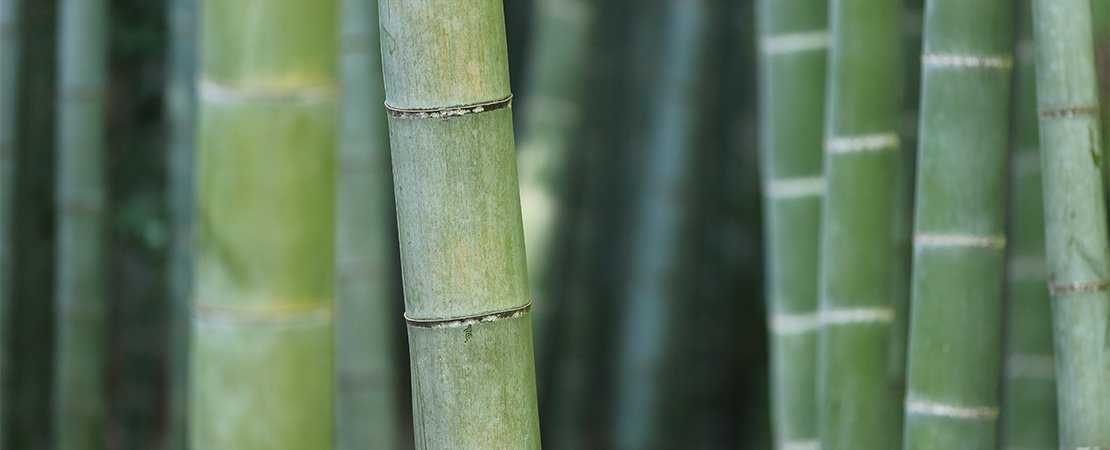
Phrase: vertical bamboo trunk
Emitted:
{"points": [[1029, 386], [9, 62], [658, 278], [859, 401], [794, 47], [467, 302], [1075, 218], [365, 410], [1100, 25], [79, 369], [959, 234], [181, 139], [262, 308]]}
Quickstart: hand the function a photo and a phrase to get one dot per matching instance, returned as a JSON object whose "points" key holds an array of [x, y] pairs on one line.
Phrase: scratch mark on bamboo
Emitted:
{"points": [[804, 41], [929, 240], [862, 143], [786, 188], [930, 408], [960, 61]]}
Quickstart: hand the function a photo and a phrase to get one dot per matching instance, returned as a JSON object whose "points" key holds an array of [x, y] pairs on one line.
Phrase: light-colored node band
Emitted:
{"points": [[862, 143], [928, 240], [214, 92], [1070, 112], [277, 314], [786, 188], [799, 444], [803, 41], [447, 112], [1086, 287], [837, 317], [462, 321], [958, 61], [1030, 366], [791, 324], [929, 408]]}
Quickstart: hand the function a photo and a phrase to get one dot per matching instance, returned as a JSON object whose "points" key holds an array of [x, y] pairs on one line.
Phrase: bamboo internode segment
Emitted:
{"points": [[1029, 366]]}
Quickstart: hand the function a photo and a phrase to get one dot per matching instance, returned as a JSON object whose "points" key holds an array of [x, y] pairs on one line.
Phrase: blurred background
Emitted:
{"points": [[660, 159]]}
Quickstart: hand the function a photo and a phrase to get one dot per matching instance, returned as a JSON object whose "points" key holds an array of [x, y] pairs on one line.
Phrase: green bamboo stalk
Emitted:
{"points": [[262, 326], [1100, 25], [79, 404], [794, 47], [1075, 218], [365, 410], [1029, 385], [959, 234], [859, 400], [458, 212], [181, 141], [9, 97], [656, 277]]}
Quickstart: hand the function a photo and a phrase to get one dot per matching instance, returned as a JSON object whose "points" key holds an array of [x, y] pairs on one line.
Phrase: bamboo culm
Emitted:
{"points": [[9, 77], [1029, 384], [79, 404], [262, 311], [791, 119], [467, 302], [366, 414], [1075, 218], [859, 400]]}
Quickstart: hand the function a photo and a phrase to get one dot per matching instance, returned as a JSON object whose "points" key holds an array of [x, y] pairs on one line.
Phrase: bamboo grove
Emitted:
{"points": [[565, 224]]}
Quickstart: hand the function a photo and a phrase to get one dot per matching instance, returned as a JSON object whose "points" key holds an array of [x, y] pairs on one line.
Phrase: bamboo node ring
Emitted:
{"points": [[447, 112], [463, 321], [1078, 288], [1074, 111]]}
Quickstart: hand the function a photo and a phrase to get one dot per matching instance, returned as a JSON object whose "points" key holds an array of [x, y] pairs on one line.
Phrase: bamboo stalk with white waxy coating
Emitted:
{"points": [[365, 254], [1029, 383], [9, 63], [79, 389], [859, 401], [467, 301], [793, 49], [1075, 218], [959, 234], [262, 311]]}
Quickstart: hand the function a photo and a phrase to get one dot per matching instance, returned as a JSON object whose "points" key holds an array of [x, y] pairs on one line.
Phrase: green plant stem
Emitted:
{"points": [[1075, 218], [366, 416], [458, 212], [859, 400], [9, 90], [262, 326], [791, 120]]}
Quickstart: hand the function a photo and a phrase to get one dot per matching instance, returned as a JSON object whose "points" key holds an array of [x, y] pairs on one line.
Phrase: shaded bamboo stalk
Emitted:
{"points": [[657, 277], [1075, 218], [1029, 383], [1100, 25], [365, 411], [9, 98], [79, 403], [859, 401], [458, 211], [262, 309], [959, 233], [181, 139], [794, 47]]}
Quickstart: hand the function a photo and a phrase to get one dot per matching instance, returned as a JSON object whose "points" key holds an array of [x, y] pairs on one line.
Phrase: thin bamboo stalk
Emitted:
{"points": [[458, 212], [80, 298], [1075, 218], [181, 141], [9, 90], [794, 47], [1100, 25], [859, 401], [959, 234], [262, 327], [366, 415], [1029, 382]]}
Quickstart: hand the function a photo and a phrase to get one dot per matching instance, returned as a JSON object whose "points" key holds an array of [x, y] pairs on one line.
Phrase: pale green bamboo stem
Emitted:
{"points": [[9, 97], [859, 400], [458, 211], [79, 404], [181, 140], [1075, 218], [959, 240], [365, 407], [1029, 383], [792, 108], [262, 308]]}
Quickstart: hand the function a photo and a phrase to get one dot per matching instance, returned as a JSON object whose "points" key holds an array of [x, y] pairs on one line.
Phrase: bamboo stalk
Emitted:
{"points": [[1029, 383], [262, 326], [9, 97], [794, 47], [959, 233], [80, 298], [859, 401], [1100, 25], [1075, 218], [458, 210], [365, 409]]}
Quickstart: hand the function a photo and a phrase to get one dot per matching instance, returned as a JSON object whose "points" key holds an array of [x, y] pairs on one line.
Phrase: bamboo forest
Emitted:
{"points": [[567, 224]]}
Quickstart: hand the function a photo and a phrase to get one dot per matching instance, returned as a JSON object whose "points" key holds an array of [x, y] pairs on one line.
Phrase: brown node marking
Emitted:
{"points": [[1074, 111], [1078, 288], [447, 112]]}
